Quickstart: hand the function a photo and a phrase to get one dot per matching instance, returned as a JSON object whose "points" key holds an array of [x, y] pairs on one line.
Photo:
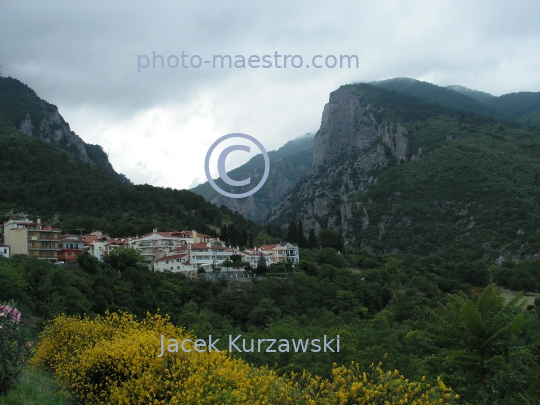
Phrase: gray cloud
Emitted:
{"points": [[83, 58]]}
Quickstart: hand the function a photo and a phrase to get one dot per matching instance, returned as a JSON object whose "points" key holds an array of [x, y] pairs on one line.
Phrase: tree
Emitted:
{"points": [[313, 242], [476, 333], [264, 239], [227, 264], [261, 264], [292, 233], [265, 313], [302, 243], [329, 238]]}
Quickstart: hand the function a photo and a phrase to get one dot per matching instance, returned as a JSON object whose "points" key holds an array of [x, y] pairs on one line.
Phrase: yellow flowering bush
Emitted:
{"points": [[114, 360]]}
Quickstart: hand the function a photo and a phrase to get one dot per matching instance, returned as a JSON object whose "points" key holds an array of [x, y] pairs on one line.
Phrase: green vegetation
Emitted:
{"points": [[35, 388], [41, 180], [472, 196], [288, 165], [19, 102], [379, 311]]}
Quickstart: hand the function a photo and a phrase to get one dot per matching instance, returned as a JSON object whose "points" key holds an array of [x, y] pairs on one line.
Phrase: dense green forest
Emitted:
{"points": [[39, 179], [383, 307], [473, 195], [521, 107]]}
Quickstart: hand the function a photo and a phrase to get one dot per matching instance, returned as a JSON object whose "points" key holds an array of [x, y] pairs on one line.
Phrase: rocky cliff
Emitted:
{"points": [[352, 147]]}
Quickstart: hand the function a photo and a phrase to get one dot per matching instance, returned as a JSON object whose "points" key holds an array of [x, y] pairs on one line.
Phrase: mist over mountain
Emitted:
{"points": [[288, 165]]}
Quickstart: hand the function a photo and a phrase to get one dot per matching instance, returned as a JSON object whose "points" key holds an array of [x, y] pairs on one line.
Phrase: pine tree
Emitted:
{"points": [[302, 243], [292, 233], [313, 243], [224, 234]]}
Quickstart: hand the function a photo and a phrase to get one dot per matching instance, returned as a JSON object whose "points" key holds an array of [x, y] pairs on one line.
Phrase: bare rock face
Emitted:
{"points": [[353, 146], [347, 124], [57, 130], [54, 129]]}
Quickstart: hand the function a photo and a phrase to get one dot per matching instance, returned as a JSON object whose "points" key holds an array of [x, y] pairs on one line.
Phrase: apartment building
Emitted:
{"points": [[251, 256], [30, 238], [156, 245], [281, 252], [70, 246], [209, 255], [189, 258]]}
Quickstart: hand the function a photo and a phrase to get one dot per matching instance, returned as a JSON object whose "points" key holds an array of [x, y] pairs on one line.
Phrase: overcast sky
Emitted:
{"points": [[157, 124]]}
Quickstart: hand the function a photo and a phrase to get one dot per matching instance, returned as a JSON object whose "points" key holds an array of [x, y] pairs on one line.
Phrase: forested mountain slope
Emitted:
{"points": [[394, 173], [41, 180], [22, 111], [288, 164]]}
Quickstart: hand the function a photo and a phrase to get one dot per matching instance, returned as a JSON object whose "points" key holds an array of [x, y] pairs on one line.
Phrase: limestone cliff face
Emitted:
{"points": [[347, 124], [54, 129], [353, 146]]}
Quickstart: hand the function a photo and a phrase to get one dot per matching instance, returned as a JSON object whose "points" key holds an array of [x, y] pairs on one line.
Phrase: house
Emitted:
{"points": [[209, 255], [190, 257], [96, 244], [156, 245], [251, 256], [176, 263], [4, 251], [70, 246], [281, 252], [32, 239]]}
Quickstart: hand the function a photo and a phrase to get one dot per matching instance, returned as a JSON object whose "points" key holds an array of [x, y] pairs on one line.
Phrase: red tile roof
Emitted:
{"points": [[170, 257]]}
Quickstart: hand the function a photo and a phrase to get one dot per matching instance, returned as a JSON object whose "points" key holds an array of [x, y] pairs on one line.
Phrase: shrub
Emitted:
{"points": [[14, 346], [114, 360]]}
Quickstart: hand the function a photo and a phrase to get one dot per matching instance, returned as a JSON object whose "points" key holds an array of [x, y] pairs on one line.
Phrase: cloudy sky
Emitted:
{"points": [[157, 123]]}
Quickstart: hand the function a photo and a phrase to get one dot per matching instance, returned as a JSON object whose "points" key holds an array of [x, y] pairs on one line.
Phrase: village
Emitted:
{"points": [[186, 252]]}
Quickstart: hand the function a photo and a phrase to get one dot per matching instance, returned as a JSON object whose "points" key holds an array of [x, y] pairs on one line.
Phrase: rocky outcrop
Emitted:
{"points": [[353, 146], [348, 123], [52, 128]]}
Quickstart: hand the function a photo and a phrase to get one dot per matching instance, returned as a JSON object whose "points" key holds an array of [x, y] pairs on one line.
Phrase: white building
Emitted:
{"points": [[156, 245], [251, 256], [190, 257], [175, 263], [281, 252], [5, 251]]}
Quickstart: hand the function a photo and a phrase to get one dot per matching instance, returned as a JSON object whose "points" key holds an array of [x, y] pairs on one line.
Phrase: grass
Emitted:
{"points": [[35, 388], [508, 295]]}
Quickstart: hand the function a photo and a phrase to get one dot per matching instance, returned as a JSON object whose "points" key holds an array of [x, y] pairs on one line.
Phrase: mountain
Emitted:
{"points": [[393, 172], [432, 93], [479, 96], [48, 172], [522, 107], [21, 110], [288, 165]]}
